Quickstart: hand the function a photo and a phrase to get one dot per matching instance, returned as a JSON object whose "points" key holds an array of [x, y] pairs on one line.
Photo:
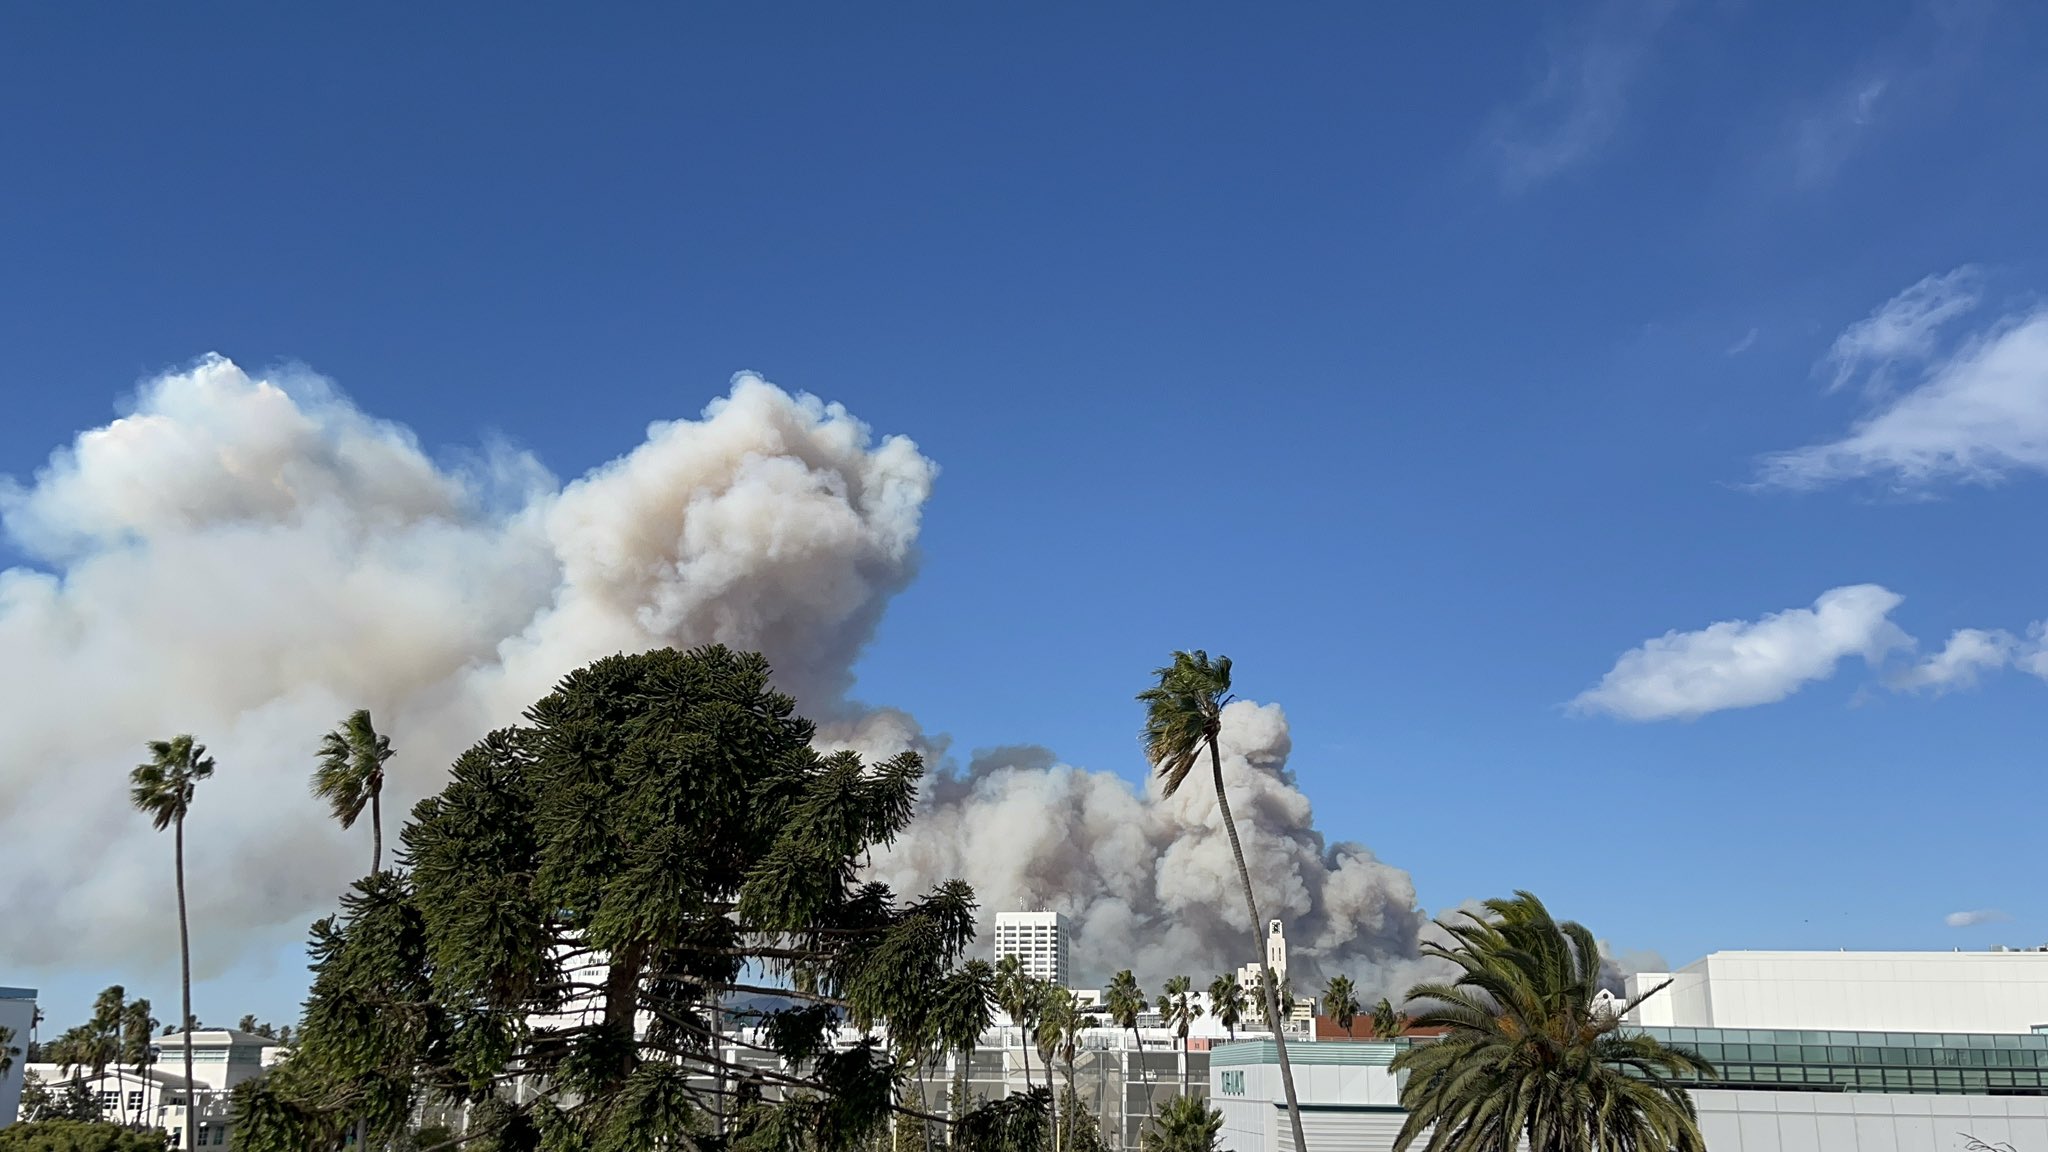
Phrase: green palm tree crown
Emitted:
{"points": [[1179, 1004], [162, 788], [1528, 1055], [351, 767], [1124, 1000], [1386, 1022], [1183, 712], [1185, 1124], [1340, 1001], [1227, 1001], [138, 1028]]}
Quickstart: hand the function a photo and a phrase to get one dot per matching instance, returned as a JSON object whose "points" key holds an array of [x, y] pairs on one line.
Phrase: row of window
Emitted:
{"points": [[1887, 1079], [1695, 1036], [1836, 1054]]}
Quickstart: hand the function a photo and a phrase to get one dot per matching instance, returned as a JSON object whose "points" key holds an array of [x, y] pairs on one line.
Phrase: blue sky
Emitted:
{"points": [[1425, 365]]}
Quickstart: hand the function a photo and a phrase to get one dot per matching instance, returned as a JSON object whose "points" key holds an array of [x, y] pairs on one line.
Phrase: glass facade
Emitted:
{"points": [[1949, 1063]]}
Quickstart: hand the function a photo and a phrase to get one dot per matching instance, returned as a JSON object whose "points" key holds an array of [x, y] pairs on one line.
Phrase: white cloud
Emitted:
{"points": [[1742, 663], [1747, 342], [1968, 652], [1579, 103], [1978, 414], [1974, 917], [1904, 328]]}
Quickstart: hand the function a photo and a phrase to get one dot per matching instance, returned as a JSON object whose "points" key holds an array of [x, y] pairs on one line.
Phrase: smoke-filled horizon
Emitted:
{"points": [[249, 557]]}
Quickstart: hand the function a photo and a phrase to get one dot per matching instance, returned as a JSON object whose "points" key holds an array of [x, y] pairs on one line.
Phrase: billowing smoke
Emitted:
{"points": [[1149, 882], [249, 557]]}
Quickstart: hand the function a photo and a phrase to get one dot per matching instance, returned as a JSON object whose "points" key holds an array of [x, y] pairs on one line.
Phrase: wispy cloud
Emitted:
{"points": [[1747, 342], [1978, 414], [1974, 917], [1825, 135], [1581, 98], [1904, 79], [1903, 328], [1744, 663]]}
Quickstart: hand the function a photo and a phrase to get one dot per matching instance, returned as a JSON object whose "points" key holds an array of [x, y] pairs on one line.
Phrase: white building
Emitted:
{"points": [[1852, 991], [1038, 940], [1248, 978], [17, 1016], [160, 1097], [1817, 1052]]}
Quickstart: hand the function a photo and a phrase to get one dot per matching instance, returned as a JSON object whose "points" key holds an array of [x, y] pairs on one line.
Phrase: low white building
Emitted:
{"points": [[196, 1115], [17, 1016]]}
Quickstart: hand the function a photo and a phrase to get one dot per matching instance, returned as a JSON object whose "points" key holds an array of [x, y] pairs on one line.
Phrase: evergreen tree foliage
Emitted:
{"points": [[657, 835], [78, 1136]]}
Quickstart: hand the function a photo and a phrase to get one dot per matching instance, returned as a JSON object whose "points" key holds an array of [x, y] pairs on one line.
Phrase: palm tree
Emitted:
{"points": [[1226, 1002], [1529, 1055], [1017, 995], [87, 1047], [162, 790], [1124, 1001], [1054, 1002], [351, 775], [1184, 715], [1340, 1000], [1386, 1023], [1177, 1002], [1072, 1021], [109, 1013], [1185, 1125], [136, 1028], [960, 1017]]}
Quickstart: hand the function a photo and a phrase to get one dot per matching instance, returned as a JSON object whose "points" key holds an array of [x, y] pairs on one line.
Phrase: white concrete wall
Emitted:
{"points": [[1748, 1121], [1854, 991], [16, 1015]]}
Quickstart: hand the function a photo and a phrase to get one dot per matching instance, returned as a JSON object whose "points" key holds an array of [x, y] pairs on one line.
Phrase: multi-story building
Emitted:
{"points": [[1038, 940], [17, 1016], [196, 1114], [1815, 1052]]}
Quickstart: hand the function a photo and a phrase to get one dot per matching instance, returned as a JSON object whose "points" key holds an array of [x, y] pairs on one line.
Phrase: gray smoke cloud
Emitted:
{"points": [[1149, 881], [249, 556]]}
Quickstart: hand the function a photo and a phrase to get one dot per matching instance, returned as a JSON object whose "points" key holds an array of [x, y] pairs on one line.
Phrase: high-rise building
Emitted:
{"points": [[1038, 940]]}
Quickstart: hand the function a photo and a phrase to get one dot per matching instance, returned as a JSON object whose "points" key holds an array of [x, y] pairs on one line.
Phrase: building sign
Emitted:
{"points": [[1233, 1083]]}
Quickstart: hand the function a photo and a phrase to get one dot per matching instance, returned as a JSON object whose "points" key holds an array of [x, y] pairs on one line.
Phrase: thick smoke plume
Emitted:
{"points": [[1149, 882], [249, 557]]}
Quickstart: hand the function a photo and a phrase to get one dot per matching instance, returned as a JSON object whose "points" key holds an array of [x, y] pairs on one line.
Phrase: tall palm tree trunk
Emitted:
{"points": [[376, 831], [1268, 985], [1144, 1077], [185, 981], [1073, 1102]]}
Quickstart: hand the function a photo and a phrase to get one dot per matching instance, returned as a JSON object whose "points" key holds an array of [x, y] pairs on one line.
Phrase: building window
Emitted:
{"points": [[135, 1101]]}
